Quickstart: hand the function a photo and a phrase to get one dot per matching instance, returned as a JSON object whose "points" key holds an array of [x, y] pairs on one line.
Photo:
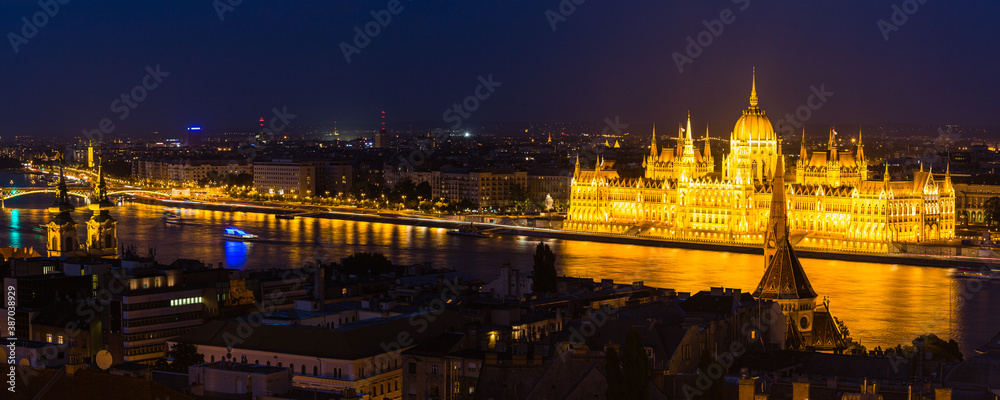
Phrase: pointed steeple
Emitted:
{"points": [[803, 153], [102, 201], [708, 151], [948, 188], [550, 138], [102, 232], [886, 177], [861, 148], [679, 150], [688, 131], [61, 206], [576, 170], [652, 147], [784, 278], [832, 146], [753, 90]]}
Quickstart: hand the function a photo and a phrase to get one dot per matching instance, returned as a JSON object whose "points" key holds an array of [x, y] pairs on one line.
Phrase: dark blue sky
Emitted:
{"points": [[607, 58]]}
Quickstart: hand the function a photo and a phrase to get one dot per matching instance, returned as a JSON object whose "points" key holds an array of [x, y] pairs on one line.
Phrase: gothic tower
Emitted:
{"points": [[62, 238], [102, 229], [833, 163], [785, 280]]}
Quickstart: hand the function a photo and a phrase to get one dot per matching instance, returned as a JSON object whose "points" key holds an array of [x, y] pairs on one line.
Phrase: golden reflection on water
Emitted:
{"points": [[883, 305]]}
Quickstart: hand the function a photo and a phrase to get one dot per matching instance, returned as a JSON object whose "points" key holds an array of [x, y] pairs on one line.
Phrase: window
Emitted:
{"points": [[48, 337], [413, 367], [60, 339], [315, 370]]}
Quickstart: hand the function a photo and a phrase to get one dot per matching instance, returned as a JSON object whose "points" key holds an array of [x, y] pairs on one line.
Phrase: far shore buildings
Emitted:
{"points": [[831, 202]]}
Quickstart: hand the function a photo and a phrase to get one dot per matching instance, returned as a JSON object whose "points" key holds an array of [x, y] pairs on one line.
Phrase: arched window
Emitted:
{"points": [[315, 370], [69, 244], [291, 367], [303, 369], [213, 357]]}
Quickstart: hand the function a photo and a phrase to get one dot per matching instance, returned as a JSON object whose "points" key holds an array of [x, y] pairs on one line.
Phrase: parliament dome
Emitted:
{"points": [[754, 124]]}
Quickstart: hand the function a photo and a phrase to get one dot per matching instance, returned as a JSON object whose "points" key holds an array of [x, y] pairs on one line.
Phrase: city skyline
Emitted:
{"points": [[219, 67]]}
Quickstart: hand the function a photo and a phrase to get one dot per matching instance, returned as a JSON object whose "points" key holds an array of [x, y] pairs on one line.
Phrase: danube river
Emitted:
{"points": [[883, 305]]}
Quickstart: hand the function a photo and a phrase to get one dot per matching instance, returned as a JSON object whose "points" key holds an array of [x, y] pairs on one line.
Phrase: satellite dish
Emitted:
{"points": [[104, 359]]}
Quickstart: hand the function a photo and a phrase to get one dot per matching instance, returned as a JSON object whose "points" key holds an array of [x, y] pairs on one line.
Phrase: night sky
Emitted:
{"points": [[605, 59]]}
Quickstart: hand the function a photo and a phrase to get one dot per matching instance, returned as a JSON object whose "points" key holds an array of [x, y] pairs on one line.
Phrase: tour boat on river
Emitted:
{"points": [[470, 230], [172, 217], [981, 273], [238, 234]]}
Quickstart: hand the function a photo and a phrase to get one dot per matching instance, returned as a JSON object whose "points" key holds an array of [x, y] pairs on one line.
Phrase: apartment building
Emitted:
{"points": [[284, 177], [187, 170], [361, 358], [489, 188]]}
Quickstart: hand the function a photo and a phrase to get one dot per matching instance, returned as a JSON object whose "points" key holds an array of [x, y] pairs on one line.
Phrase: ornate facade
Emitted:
{"points": [[831, 202], [102, 230]]}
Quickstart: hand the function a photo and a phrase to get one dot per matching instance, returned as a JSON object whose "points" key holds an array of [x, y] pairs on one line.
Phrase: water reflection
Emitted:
{"points": [[15, 228], [236, 253], [882, 304]]}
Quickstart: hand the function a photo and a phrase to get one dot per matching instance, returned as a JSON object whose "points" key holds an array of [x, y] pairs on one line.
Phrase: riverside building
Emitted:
{"points": [[832, 204]]}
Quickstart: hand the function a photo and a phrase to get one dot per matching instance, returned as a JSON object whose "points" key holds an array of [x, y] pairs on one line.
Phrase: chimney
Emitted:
{"points": [[718, 291], [800, 389], [320, 284], [748, 388]]}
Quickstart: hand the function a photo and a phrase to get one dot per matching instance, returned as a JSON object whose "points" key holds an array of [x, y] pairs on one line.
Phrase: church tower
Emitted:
{"points": [[861, 161], [102, 229], [784, 280], [62, 240], [833, 161]]}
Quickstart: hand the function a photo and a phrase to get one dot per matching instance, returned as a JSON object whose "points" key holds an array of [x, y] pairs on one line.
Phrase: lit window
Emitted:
{"points": [[48, 337]]}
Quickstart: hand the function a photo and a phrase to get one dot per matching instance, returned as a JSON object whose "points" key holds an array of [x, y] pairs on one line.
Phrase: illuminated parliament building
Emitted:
{"points": [[832, 203]]}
